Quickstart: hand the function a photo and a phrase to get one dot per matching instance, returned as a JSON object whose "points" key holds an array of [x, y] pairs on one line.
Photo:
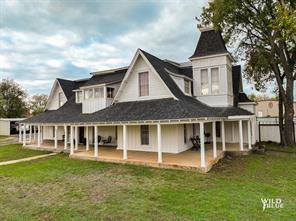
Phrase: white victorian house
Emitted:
{"points": [[154, 112]]}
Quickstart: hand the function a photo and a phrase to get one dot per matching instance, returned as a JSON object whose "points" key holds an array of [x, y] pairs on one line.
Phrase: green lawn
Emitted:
{"points": [[15, 151], [278, 147], [58, 188]]}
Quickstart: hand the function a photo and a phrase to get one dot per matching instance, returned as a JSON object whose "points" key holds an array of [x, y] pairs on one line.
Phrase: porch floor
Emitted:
{"points": [[189, 159]]}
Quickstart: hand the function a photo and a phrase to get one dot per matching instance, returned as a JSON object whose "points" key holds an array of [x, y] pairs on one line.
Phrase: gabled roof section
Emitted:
{"points": [[112, 77], [163, 68], [144, 55], [209, 43], [67, 87]]}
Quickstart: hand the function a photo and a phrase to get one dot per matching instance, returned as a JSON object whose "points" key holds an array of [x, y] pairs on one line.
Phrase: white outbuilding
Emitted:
{"points": [[9, 126]]}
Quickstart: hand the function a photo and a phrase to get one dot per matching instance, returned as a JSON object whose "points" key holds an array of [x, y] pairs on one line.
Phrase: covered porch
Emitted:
{"points": [[165, 147]]}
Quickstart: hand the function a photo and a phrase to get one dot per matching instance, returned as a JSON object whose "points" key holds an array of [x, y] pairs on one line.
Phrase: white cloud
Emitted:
{"points": [[61, 40], [4, 62], [95, 56]]}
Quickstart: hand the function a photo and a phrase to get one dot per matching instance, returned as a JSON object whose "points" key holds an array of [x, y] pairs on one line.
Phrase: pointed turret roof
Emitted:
{"points": [[209, 43]]}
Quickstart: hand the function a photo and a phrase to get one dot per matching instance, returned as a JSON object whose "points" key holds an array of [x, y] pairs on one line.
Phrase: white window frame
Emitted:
{"points": [[212, 81], [85, 92], [102, 90], [189, 86], [201, 82], [60, 94], [77, 97], [209, 70], [139, 86], [142, 134]]}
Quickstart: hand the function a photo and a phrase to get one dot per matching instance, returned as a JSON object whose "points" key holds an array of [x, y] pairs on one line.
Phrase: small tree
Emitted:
{"points": [[38, 103], [265, 32], [12, 99]]}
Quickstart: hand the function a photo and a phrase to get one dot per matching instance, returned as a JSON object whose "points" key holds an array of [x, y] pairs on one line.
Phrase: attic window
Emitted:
{"points": [[143, 84], [61, 99]]}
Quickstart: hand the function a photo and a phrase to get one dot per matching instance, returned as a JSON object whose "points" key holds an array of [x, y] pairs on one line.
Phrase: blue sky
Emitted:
{"points": [[43, 40]]}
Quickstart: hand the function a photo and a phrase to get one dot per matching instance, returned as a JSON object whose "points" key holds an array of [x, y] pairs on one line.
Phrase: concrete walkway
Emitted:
{"points": [[27, 159]]}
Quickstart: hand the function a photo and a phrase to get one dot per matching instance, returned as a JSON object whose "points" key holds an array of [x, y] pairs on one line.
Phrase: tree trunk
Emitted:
{"points": [[281, 121], [289, 112]]}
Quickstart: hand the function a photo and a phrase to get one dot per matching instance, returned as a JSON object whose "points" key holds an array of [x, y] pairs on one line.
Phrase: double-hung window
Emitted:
{"points": [[209, 81], [88, 94], [204, 81], [214, 80], [187, 86], [144, 134], [143, 84], [61, 99], [99, 92], [78, 96]]}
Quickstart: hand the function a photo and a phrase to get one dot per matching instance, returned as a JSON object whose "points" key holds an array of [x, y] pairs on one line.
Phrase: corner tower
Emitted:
{"points": [[212, 69]]}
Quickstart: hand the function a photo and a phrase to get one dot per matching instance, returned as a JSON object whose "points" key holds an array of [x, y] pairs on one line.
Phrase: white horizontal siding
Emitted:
{"points": [[130, 92], [53, 103]]}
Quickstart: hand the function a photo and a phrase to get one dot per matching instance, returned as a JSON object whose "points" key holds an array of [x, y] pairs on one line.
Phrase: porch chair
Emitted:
{"points": [[195, 143], [108, 140]]}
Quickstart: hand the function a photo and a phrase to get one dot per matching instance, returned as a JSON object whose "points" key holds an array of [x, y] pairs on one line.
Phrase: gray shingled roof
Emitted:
{"points": [[67, 87], [209, 43], [162, 109], [116, 76]]}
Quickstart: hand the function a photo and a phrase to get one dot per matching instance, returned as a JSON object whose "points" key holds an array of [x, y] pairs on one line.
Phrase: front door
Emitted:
{"points": [[81, 134]]}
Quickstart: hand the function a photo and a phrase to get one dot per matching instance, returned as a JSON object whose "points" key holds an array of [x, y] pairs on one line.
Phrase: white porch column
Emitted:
{"points": [[223, 135], [253, 132], [96, 142], [241, 138], [30, 133], [34, 134], [87, 138], [20, 133], [72, 140], [76, 138], [202, 145], [214, 139], [124, 142], [24, 136], [65, 137], [159, 158], [39, 136], [249, 135], [55, 137]]}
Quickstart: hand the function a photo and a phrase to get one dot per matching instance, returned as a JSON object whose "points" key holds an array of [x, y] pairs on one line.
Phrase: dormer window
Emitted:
{"points": [[143, 84], [99, 92], [78, 96], [110, 92], [88, 94], [187, 86]]}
